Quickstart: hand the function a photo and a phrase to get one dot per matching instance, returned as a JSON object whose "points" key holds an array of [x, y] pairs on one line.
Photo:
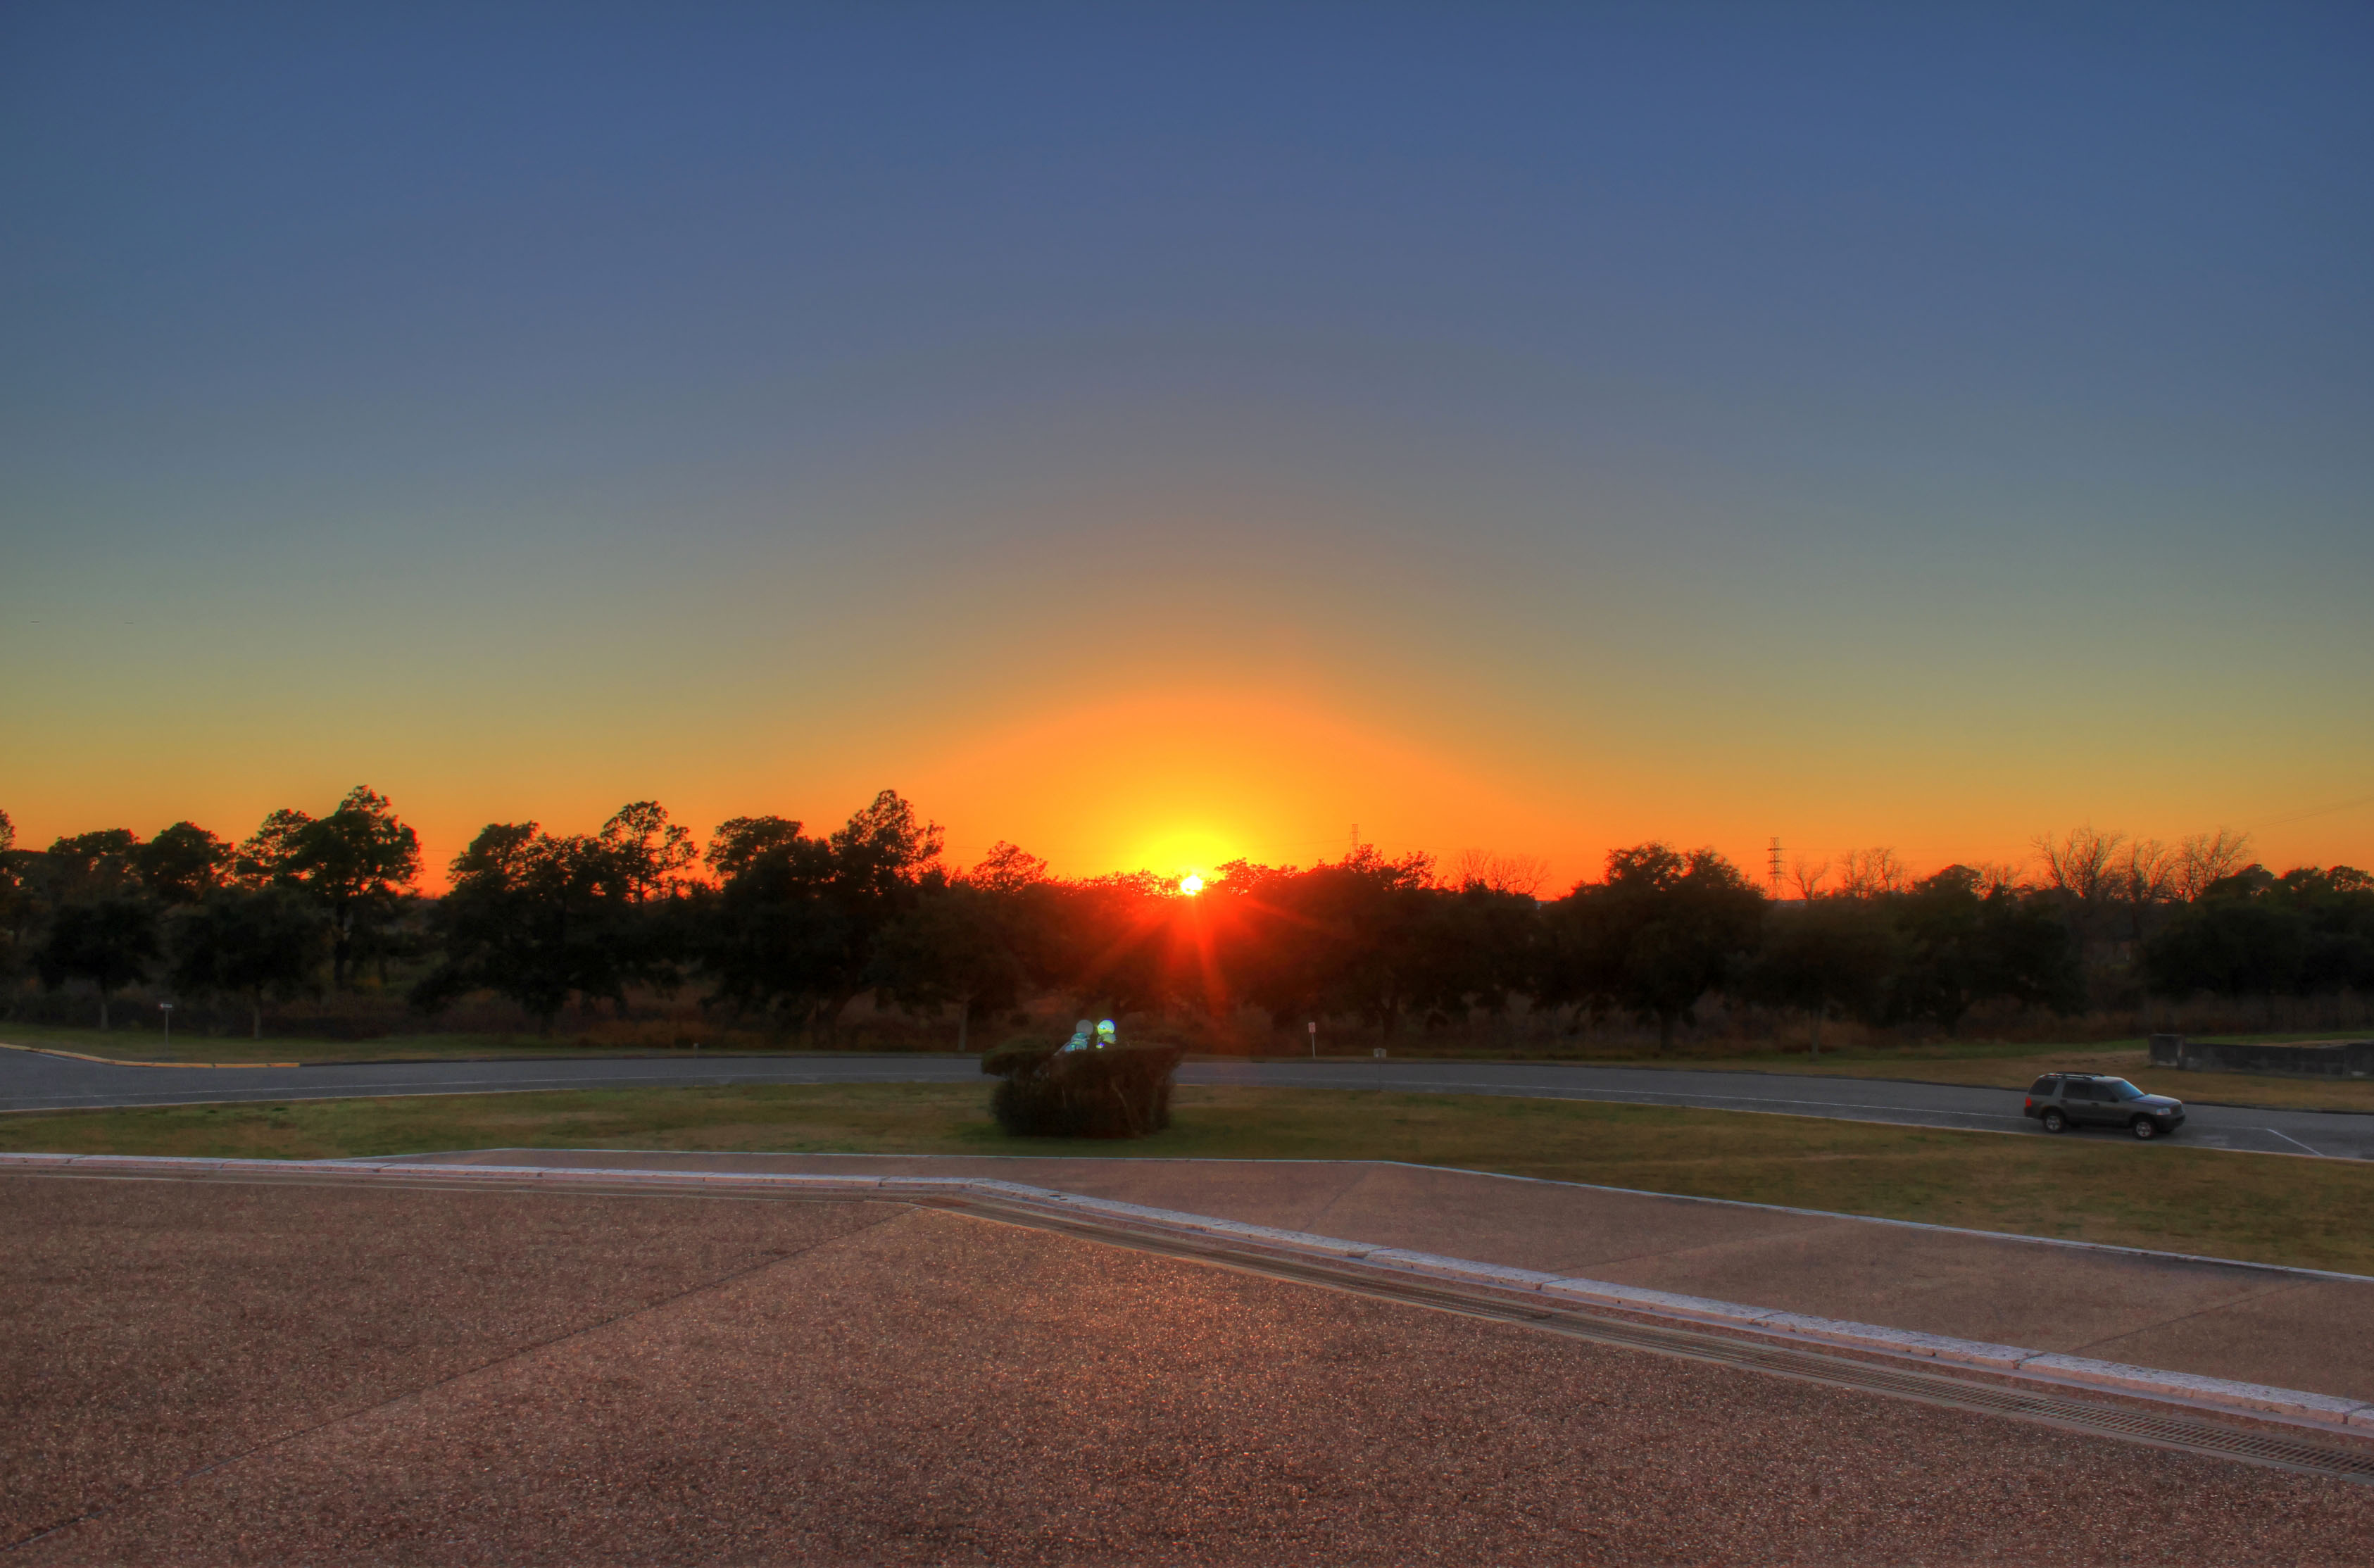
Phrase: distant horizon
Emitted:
{"points": [[441, 843]]}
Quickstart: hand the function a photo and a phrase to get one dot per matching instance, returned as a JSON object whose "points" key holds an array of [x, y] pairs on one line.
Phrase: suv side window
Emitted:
{"points": [[2076, 1089], [2045, 1085]]}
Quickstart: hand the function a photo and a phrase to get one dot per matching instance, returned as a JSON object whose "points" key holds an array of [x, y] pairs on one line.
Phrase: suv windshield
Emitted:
{"points": [[2122, 1090]]}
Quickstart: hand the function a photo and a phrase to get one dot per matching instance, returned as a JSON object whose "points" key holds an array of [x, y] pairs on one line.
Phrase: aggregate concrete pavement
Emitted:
{"points": [[780, 1382], [33, 1080], [2250, 1323]]}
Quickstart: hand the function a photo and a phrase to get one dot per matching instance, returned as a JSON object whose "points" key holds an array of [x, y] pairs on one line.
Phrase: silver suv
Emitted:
{"points": [[2066, 1100]]}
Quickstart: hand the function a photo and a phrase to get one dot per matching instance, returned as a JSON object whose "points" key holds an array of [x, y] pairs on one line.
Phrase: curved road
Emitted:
{"points": [[33, 1080]]}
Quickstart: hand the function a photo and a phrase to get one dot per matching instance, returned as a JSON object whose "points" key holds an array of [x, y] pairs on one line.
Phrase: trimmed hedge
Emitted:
{"points": [[1047, 1092]]}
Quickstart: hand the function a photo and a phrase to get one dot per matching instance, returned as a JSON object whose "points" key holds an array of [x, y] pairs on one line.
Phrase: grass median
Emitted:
{"points": [[2316, 1214]]}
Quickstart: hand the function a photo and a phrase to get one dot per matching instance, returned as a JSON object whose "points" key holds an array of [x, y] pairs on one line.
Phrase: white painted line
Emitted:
{"points": [[2290, 1139]]}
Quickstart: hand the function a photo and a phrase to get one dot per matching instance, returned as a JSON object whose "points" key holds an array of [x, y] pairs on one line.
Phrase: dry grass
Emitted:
{"points": [[2018, 1067], [2265, 1208]]}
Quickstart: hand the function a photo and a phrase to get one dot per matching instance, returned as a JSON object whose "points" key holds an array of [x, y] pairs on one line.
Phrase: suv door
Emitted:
{"points": [[2084, 1101]]}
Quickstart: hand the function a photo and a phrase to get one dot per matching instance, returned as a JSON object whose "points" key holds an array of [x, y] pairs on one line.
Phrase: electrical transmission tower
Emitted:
{"points": [[1772, 861]]}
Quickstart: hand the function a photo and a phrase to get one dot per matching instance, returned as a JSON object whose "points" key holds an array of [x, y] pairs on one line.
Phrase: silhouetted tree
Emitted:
{"points": [[649, 850], [2252, 933], [959, 944], [93, 865], [538, 917], [2205, 859], [14, 907], [1111, 942], [249, 943], [1472, 947], [2080, 869], [181, 865], [1968, 941], [359, 862], [109, 940], [1656, 933], [798, 925], [1829, 958]]}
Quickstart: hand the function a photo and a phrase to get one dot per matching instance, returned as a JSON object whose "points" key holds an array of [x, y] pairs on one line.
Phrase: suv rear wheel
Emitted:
{"points": [[2052, 1119], [2143, 1128]]}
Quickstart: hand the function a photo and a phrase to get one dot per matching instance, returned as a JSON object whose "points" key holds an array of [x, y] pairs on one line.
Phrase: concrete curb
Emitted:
{"points": [[121, 1062], [2356, 1416]]}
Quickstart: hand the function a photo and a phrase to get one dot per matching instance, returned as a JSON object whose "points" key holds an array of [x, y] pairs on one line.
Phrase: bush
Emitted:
{"points": [[1047, 1092]]}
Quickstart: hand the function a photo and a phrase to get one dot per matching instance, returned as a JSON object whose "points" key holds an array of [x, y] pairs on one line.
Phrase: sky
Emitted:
{"points": [[1160, 434]]}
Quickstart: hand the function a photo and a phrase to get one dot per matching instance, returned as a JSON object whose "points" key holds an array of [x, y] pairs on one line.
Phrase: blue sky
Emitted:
{"points": [[1532, 426]]}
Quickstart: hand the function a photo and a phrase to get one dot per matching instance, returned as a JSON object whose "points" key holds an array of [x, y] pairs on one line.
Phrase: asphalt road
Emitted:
{"points": [[36, 1081]]}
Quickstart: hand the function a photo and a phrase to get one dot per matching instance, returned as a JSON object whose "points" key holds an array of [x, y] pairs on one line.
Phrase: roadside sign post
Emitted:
{"points": [[166, 1009], [1314, 1040]]}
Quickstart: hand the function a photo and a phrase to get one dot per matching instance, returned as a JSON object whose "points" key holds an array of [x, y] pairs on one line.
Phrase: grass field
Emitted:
{"points": [[2318, 1213], [2015, 1067]]}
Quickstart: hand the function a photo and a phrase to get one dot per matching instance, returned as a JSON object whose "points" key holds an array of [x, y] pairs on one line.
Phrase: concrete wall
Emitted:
{"points": [[2350, 1058]]}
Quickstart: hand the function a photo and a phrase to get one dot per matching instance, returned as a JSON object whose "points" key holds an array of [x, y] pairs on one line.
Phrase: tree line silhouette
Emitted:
{"points": [[771, 924]]}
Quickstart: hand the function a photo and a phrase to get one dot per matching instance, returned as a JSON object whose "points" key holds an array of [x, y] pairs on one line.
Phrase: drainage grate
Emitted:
{"points": [[2092, 1416]]}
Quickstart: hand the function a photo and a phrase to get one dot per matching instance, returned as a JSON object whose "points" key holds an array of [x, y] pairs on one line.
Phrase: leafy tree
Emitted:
{"points": [[2253, 933], [742, 842], [800, 925], [648, 851], [359, 862], [1656, 933], [1969, 940], [109, 940], [960, 944], [93, 865], [1006, 868], [1829, 958], [1110, 943], [764, 935], [12, 903], [537, 917], [249, 943], [1471, 946], [183, 863], [1351, 937]]}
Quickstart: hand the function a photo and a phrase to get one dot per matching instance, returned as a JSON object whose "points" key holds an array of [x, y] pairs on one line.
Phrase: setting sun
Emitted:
{"points": [[1190, 884]]}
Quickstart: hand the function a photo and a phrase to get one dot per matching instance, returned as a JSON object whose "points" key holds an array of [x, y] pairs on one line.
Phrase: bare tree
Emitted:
{"points": [[2144, 875], [1868, 873], [2204, 858], [2081, 864], [1805, 875], [1519, 874], [1994, 877], [2142, 879]]}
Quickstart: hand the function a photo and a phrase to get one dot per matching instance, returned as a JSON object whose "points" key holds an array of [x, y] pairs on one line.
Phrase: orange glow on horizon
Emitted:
{"points": [[1181, 779]]}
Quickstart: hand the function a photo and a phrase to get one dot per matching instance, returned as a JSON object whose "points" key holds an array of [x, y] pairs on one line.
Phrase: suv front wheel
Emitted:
{"points": [[2145, 1127], [2053, 1120]]}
